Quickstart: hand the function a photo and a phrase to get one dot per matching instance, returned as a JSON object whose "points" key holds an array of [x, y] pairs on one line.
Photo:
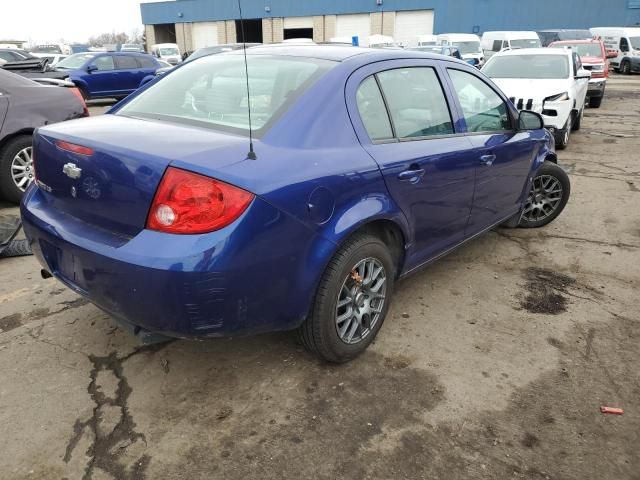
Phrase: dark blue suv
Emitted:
{"points": [[112, 74]]}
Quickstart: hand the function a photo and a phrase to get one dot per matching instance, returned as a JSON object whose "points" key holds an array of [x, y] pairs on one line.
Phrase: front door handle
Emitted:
{"points": [[487, 159], [411, 176]]}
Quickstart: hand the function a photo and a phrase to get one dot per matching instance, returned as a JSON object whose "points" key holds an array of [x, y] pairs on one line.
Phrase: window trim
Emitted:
{"points": [[395, 138], [512, 121]]}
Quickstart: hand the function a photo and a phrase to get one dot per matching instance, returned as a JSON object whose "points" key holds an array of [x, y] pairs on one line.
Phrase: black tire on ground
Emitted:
{"points": [[319, 332], [595, 102], [548, 169], [577, 123], [17, 248], [625, 67], [8, 189]]}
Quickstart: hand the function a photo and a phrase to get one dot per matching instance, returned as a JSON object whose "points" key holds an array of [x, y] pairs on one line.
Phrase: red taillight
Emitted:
{"points": [[187, 202], [78, 93], [72, 147]]}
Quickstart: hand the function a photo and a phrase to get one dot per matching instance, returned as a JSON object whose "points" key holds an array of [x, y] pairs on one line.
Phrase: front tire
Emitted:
{"points": [[16, 168], [352, 300], [549, 194], [625, 67]]}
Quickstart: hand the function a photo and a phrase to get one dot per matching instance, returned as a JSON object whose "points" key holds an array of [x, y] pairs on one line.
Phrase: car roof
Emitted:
{"points": [[533, 51], [336, 53]]}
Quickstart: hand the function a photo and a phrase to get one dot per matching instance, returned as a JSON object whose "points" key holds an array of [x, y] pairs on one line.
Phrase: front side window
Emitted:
{"points": [[497, 45], [372, 110], [483, 109], [416, 102], [624, 45], [212, 91], [104, 63]]}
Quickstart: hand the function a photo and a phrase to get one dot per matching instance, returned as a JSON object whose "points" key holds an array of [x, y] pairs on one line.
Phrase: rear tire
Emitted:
{"points": [[549, 194], [15, 162], [595, 102], [625, 67], [365, 296]]}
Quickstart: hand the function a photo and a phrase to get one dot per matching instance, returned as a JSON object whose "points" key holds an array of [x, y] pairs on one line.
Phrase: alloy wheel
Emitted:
{"points": [[22, 168], [361, 300], [544, 198]]}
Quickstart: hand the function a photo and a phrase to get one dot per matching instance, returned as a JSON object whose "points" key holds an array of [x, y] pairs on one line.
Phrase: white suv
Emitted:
{"points": [[548, 81]]}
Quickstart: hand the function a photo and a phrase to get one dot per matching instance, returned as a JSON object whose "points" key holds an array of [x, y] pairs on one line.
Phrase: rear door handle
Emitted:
{"points": [[487, 159], [411, 176]]}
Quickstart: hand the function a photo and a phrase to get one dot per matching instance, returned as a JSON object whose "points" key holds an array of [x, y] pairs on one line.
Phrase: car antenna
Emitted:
{"points": [[252, 154]]}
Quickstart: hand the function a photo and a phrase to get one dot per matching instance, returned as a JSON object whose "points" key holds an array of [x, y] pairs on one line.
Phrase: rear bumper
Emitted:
{"points": [[239, 280]]}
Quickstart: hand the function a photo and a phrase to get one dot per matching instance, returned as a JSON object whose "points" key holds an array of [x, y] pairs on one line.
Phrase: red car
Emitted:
{"points": [[594, 58]]}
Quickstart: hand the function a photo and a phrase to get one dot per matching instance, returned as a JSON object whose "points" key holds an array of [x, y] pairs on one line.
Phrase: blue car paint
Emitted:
{"points": [[318, 178], [111, 83]]}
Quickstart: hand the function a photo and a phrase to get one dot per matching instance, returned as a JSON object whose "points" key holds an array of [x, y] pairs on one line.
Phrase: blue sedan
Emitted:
{"points": [[365, 166], [106, 75]]}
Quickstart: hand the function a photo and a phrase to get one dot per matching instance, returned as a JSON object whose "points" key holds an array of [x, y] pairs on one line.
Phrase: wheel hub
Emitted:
{"points": [[544, 198]]}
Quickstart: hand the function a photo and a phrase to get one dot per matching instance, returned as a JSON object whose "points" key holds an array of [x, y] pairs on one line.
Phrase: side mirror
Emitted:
{"points": [[528, 120], [583, 74], [612, 53], [91, 68]]}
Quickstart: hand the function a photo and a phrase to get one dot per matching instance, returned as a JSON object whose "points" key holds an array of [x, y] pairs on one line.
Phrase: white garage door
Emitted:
{"points": [[348, 26], [298, 22], [411, 24], [205, 34]]}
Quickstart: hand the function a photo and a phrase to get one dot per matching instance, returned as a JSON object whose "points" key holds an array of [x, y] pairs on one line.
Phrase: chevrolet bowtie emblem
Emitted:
{"points": [[71, 170]]}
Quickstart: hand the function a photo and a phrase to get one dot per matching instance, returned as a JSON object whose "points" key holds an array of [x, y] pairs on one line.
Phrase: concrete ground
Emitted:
{"points": [[493, 363]]}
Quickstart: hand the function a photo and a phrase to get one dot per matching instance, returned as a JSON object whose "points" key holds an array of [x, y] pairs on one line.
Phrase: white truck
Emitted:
{"points": [[467, 44], [625, 42], [494, 42], [169, 52]]}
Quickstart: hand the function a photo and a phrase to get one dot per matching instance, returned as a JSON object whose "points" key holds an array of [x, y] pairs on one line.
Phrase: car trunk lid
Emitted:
{"points": [[113, 186]]}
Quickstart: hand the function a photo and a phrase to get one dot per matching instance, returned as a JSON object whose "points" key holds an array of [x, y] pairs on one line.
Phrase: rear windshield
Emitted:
{"points": [[583, 49], [526, 43], [75, 61], [528, 66], [212, 91]]}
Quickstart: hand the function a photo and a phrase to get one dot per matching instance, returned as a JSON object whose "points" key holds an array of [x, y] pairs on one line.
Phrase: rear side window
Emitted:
{"points": [[104, 63], [483, 109], [372, 110], [146, 62], [126, 63], [416, 102]]}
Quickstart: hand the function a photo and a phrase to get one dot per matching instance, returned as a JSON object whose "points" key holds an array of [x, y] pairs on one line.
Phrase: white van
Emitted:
{"points": [[494, 42], [427, 40], [625, 42], [467, 43], [169, 52]]}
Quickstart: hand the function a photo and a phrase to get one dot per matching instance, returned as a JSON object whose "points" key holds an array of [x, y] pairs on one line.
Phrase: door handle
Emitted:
{"points": [[411, 176], [487, 159]]}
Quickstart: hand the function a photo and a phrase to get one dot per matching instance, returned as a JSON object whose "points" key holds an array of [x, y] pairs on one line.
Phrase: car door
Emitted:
{"points": [[127, 74], [503, 155], [580, 86], [404, 121], [101, 79]]}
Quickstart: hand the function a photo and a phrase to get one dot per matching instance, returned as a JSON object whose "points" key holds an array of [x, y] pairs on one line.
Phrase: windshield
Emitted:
{"points": [[467, 47], [75, 61], [212, 91], [635, 42], [526, 43], [46, 49], [583, 49], [528, 66], [167, 52]]}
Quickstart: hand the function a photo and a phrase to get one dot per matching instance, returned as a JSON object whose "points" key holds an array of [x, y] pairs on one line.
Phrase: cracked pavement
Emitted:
{"points": [[493, 363]]}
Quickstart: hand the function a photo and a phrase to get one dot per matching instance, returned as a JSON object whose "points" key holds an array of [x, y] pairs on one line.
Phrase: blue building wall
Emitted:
{"points": [[450, 15]]}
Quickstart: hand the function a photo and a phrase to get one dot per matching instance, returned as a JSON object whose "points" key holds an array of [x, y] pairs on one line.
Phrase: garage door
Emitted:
{"points": [[298, 22], [411, 24], [205, 34], [348, 26]]}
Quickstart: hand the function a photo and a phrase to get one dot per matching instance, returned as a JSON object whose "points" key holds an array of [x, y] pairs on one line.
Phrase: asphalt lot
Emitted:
{"points": [[493, 363]]}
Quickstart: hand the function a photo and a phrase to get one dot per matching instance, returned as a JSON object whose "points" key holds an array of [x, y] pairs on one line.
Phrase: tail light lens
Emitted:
{"points": [[78, 94], [72, 147], [189, 203]]}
